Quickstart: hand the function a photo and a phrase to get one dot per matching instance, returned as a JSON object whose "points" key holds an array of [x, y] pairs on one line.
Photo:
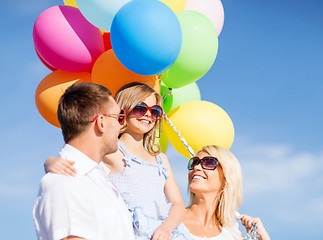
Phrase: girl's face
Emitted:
{"points": [[145, 123], [205, 181]]}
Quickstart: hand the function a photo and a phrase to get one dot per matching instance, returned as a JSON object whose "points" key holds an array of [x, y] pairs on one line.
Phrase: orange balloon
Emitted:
{"points": [[51, 88], [109, 72]]}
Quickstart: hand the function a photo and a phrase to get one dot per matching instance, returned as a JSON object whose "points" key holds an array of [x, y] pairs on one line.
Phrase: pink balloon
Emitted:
{"points": [[66, 40], [213, 9]]}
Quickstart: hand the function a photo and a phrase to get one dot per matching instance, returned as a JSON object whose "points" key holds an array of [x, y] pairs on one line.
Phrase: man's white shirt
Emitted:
{"points": [[86, 205]]}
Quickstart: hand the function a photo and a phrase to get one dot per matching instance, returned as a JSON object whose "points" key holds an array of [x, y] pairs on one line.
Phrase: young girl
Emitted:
{"points": [[142, 174]]}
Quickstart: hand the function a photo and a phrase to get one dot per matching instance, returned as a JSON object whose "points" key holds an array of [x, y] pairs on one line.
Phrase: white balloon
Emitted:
{"points": [[213, 9]]}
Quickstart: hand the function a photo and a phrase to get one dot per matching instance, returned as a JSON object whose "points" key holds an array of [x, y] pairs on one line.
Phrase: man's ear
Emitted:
{"points": [[100, 124]]}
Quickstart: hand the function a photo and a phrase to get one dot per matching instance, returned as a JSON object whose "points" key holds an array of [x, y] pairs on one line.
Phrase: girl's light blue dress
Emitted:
{"points": [[141, 185]]}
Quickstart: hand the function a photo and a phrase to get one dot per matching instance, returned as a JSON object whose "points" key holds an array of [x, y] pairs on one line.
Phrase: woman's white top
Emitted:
{"points": [[224, 235]]}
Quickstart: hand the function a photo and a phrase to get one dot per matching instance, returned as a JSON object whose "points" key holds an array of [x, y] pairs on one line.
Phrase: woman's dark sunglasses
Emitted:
{"points": [[208, 163], [121, 117], [141, 109]]}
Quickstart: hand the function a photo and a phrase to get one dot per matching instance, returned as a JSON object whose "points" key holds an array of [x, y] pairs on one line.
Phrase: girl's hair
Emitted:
{"points": [[128, 97], [230, 198]]}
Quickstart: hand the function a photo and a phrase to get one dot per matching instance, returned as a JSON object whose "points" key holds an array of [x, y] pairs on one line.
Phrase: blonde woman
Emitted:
{"points": [[215, 185]]}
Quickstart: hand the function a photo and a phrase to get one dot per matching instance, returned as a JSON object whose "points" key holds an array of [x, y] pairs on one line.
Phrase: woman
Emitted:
{"points": [[215, 185]]}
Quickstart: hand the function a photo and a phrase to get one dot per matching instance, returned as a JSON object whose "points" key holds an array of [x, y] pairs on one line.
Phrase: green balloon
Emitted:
{"points": [[167, 95], [198, 52], [179, 96]]}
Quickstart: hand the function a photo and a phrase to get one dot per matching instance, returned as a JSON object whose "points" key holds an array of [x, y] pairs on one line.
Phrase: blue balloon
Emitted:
{"points": [[146, 36]]}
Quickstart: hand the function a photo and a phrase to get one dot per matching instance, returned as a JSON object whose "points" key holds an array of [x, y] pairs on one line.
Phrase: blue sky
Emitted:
{"points": [[268, 76]]}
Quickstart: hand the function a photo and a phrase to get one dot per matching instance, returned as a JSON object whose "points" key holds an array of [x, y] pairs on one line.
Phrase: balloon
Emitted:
{"points": [[73, 4], [100, 12], [66, 40], [109, 72], [176, 6], [199, 50], [107, 41], [201, 123], [45, 63], [213, 9], [146, 36], [163, 141], [179, 96], [51, 88], [70, 3]]}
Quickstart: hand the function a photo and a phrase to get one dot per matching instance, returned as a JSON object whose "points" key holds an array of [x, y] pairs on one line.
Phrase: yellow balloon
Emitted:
{"points": [[201, 123], [70, 3], [51, 88], [163, 140], [175, 5]]}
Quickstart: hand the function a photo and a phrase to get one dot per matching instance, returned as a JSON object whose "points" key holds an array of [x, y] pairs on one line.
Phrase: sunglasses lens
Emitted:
{"points": [[209, 163], [156, 112], [193, 162], [140, 109]]}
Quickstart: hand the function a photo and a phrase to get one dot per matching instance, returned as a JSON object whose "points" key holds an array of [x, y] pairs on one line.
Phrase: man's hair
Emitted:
{"points": [[79, 105]]}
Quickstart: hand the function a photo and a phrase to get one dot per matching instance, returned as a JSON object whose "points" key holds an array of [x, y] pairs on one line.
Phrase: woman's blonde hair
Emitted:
{"points": [[230, 198], [128, 97]]}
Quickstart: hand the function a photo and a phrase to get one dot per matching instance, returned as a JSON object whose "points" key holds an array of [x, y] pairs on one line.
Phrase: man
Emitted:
{"points": [[86, 206]]}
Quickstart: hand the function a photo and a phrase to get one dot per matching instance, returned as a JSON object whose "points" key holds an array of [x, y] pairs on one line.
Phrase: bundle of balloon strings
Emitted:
{"points": [[252, 234]]}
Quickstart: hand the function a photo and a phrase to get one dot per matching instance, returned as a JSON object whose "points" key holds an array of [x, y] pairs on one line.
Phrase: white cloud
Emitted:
{"points": [[276, 168]]}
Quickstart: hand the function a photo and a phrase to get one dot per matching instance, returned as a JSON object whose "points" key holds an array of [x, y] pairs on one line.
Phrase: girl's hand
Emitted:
{"points": [[162, 233], [59, 166], [247, 221]]}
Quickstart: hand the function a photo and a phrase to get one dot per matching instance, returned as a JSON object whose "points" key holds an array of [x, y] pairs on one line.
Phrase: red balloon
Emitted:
{"points": [[107, 41], [45, 63]]}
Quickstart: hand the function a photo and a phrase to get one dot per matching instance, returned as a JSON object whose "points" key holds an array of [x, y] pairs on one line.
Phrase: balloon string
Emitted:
{"points": [[167, 93], [189, 149]]}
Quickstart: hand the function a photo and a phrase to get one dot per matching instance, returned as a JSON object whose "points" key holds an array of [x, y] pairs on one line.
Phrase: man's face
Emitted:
{"points": [[112, 127]]}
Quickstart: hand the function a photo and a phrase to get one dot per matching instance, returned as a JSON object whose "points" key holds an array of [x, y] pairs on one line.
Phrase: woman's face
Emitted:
{"points": [[205, 181], [145, 123]]}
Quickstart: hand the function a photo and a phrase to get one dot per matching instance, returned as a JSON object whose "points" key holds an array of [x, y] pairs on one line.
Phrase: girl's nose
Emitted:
{"points": [[148, 113]]}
